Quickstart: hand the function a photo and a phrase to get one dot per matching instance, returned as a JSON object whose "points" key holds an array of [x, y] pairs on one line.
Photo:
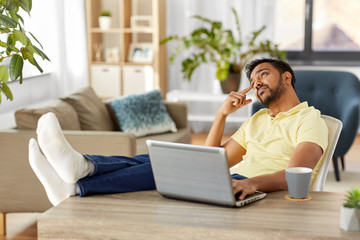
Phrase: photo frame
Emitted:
{"points": [[141, 52], [112, 54], [138, 21]]}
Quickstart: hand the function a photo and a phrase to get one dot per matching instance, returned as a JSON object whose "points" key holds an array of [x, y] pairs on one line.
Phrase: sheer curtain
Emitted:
{"points": [[72, 68], [181, 23]]}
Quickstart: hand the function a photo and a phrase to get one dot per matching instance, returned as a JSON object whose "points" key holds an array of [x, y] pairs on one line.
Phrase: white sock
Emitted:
{"points": [[68, 163], [56, 189]]}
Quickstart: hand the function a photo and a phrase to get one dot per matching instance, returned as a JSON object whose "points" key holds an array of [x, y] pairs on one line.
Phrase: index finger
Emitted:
{"points": [[246, 89]]}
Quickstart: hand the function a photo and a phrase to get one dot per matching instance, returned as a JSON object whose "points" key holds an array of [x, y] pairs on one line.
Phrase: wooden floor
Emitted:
{"points": [[22, 226]]}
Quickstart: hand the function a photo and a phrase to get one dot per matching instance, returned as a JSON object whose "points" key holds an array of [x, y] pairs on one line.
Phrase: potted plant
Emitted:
{"points": [[105, 19], [350, 211], [214, 44], [16, 45]]}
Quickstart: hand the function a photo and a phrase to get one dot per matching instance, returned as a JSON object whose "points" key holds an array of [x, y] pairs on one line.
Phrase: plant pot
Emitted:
{"points": [[231, 83], [350, 219], [104, 22]]}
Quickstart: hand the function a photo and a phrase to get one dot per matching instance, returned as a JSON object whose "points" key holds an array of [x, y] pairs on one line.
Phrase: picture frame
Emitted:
{"points": [[143, 21], [141, 52], [112, 54]]}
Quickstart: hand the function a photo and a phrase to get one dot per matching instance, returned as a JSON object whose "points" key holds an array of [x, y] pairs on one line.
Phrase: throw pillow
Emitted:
{"points": [[27, 118], [91, 110], [143, 114]]}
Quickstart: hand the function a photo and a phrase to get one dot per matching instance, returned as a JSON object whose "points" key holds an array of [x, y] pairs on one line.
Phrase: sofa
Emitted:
{"points": [[89, 124]]}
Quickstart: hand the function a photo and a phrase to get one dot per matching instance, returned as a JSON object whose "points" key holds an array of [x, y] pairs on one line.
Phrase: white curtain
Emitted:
{"points": [[181, 23], [72, 67], [61, 28]]}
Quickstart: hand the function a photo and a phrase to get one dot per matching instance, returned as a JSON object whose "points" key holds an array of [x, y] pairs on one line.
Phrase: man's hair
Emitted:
{"points": [[280, 65]]}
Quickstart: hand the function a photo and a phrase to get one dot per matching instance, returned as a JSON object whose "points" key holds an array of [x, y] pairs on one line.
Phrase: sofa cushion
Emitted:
{"points": [[143, 114], [27, 118], [91, 110]]}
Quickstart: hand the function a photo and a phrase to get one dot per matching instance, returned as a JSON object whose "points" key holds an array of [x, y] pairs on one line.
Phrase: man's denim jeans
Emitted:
{"points": [[118, 174]]}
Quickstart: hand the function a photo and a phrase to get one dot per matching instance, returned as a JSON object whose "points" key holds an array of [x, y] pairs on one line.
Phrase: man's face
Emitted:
{"points": [[267, 83]]}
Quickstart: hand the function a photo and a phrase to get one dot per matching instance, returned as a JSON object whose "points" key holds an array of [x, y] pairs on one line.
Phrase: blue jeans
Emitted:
{"points": [[118, 174]]}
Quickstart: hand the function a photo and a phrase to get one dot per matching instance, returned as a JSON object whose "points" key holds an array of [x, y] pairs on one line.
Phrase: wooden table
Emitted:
{"points": [[147, 215]]}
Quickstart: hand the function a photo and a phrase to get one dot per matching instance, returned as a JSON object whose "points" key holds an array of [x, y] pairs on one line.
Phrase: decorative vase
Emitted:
{"points": [[231, 83], [104, 22], [350, 219]]}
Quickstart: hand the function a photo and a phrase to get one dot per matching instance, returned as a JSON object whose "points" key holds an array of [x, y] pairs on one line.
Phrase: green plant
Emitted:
{"points": [[217, 45], [15, 44], [105, 13], [353, 198]]}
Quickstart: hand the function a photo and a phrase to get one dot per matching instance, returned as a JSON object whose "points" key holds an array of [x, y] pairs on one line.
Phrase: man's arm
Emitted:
{"points": [[232, 103], [306, 154]]}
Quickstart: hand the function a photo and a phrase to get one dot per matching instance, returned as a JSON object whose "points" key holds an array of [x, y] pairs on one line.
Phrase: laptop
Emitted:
{"points": [[194, 173]]}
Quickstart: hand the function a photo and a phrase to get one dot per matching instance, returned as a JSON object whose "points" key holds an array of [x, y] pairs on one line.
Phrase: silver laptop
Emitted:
{"points": [[194, 173]]}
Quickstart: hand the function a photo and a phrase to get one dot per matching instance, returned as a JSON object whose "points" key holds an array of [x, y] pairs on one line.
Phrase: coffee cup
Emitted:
{"points": [[298, 181]]}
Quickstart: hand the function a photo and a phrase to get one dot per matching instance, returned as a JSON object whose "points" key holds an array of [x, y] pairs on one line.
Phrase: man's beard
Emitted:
{"points": [[275, 94]]}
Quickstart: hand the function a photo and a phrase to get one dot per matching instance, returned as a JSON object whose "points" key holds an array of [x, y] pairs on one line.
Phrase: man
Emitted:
{"points": [[286, 134]]}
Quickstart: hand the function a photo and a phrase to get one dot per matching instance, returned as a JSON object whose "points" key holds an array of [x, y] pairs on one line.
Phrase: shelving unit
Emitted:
{"points": [[114, 72]]}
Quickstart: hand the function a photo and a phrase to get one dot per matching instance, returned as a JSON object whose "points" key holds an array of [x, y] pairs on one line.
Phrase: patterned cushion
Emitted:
{"points": [[143, 114]]}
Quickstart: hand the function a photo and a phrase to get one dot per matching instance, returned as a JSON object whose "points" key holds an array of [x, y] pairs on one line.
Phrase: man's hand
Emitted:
{"points": [[245, 186], [235, 101]]}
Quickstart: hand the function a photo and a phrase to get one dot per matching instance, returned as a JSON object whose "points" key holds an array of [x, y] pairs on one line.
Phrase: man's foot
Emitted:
{"points": [[56, 189], [69, 164]]}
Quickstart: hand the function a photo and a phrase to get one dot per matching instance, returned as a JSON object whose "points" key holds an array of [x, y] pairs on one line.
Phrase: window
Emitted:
{"points": [[316, 31]]}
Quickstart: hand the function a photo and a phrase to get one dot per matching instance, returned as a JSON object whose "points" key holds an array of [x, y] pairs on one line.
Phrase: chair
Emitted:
{"points": [[334, 128], [336, 94]]}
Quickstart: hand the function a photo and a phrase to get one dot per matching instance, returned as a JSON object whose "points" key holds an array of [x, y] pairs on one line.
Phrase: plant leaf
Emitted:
{"points": [[7, 22], [41, 53], [10, 5], [20, 36], [237, 21], [2, 44], [34, 62], [4, 74], [26, 5], [14, 16], [6, 90], [36, 40], [16, 67]]}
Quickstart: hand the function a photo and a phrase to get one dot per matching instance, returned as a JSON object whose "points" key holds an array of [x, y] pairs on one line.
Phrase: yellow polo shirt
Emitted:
{"points": [[270, 141]]}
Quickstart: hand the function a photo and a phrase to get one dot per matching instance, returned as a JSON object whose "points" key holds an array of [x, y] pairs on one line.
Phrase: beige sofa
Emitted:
{"points": [[21, 191]]}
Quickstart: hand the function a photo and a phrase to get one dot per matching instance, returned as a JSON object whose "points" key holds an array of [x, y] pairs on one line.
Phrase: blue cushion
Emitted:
{"points": [[143, 114]]}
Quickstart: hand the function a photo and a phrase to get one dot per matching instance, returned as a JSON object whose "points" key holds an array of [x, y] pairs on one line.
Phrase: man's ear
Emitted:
{"points": [[287, 77]]}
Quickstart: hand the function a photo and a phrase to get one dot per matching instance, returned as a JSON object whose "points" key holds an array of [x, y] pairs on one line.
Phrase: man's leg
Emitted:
{"points": [[56, 189], [133, 174], [69, 164], [114, 174]]}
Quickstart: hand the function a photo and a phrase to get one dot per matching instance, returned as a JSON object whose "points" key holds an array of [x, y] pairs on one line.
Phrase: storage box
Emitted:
{"points": [[138, 79], [105, 80]]}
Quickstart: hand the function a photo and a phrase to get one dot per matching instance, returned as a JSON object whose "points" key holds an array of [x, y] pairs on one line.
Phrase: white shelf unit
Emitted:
{"points": [[111, 47], [192, 97]]}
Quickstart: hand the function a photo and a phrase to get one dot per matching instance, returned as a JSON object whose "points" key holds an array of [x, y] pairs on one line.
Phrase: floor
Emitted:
{"points": [[23, 225]]}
